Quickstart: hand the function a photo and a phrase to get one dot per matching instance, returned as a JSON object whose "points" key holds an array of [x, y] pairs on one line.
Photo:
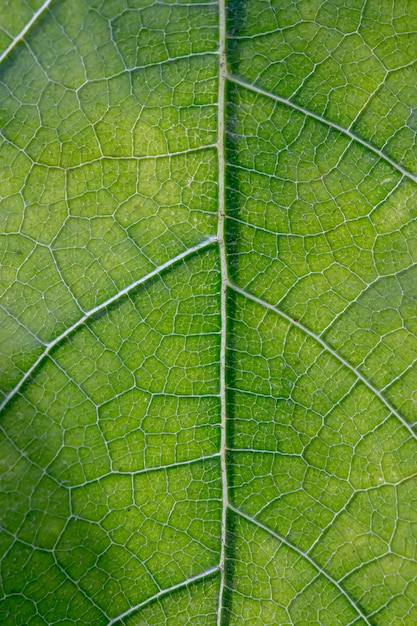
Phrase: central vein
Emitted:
{"points": [[223, 294]]}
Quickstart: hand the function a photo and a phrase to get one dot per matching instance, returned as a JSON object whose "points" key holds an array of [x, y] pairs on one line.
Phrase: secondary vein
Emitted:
{"points": [[24, 30], [101, 307], [329, 349], [323, 120], [163, 592], [308, 558]]}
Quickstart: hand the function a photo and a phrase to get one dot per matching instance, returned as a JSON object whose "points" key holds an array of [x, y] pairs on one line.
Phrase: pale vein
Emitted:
{"points": [[323, 120], [305, 556], [24, 30], [101, 307], [162, 593], [329, 349]]}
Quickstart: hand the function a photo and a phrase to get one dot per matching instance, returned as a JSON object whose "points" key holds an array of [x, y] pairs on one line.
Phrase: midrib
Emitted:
{"points": [[223, 298]]}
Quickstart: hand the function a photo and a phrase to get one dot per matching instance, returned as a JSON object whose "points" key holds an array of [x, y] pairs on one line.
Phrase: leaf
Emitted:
{"points": [[208, 314]]}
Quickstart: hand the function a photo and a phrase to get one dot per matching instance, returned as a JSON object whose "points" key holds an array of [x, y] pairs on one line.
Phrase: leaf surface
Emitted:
{"points": [[208, 312]]}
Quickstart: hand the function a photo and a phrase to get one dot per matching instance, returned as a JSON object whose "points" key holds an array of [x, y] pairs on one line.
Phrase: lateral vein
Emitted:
{"points": [[101, 307], [162, 593], [308, 558], [24, 30], [329, 349], [323, 120]]}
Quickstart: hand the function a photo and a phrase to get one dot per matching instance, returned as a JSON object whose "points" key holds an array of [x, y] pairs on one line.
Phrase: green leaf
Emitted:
{"points": [[208, 312]]}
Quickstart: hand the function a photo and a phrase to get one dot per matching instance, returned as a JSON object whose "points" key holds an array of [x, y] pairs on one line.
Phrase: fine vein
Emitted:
{"points": [[223, 296], [101, 307]]}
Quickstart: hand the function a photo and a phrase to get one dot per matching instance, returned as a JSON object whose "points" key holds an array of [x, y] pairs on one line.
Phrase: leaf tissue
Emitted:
{"points": [[208, 315]]}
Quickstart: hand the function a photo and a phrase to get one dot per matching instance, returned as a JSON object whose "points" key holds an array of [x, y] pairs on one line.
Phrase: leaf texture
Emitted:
{"points": [[208, 312]]}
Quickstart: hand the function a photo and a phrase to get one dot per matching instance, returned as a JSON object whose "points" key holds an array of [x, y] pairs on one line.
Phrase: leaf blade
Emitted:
{"points": [[201, 433]]}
